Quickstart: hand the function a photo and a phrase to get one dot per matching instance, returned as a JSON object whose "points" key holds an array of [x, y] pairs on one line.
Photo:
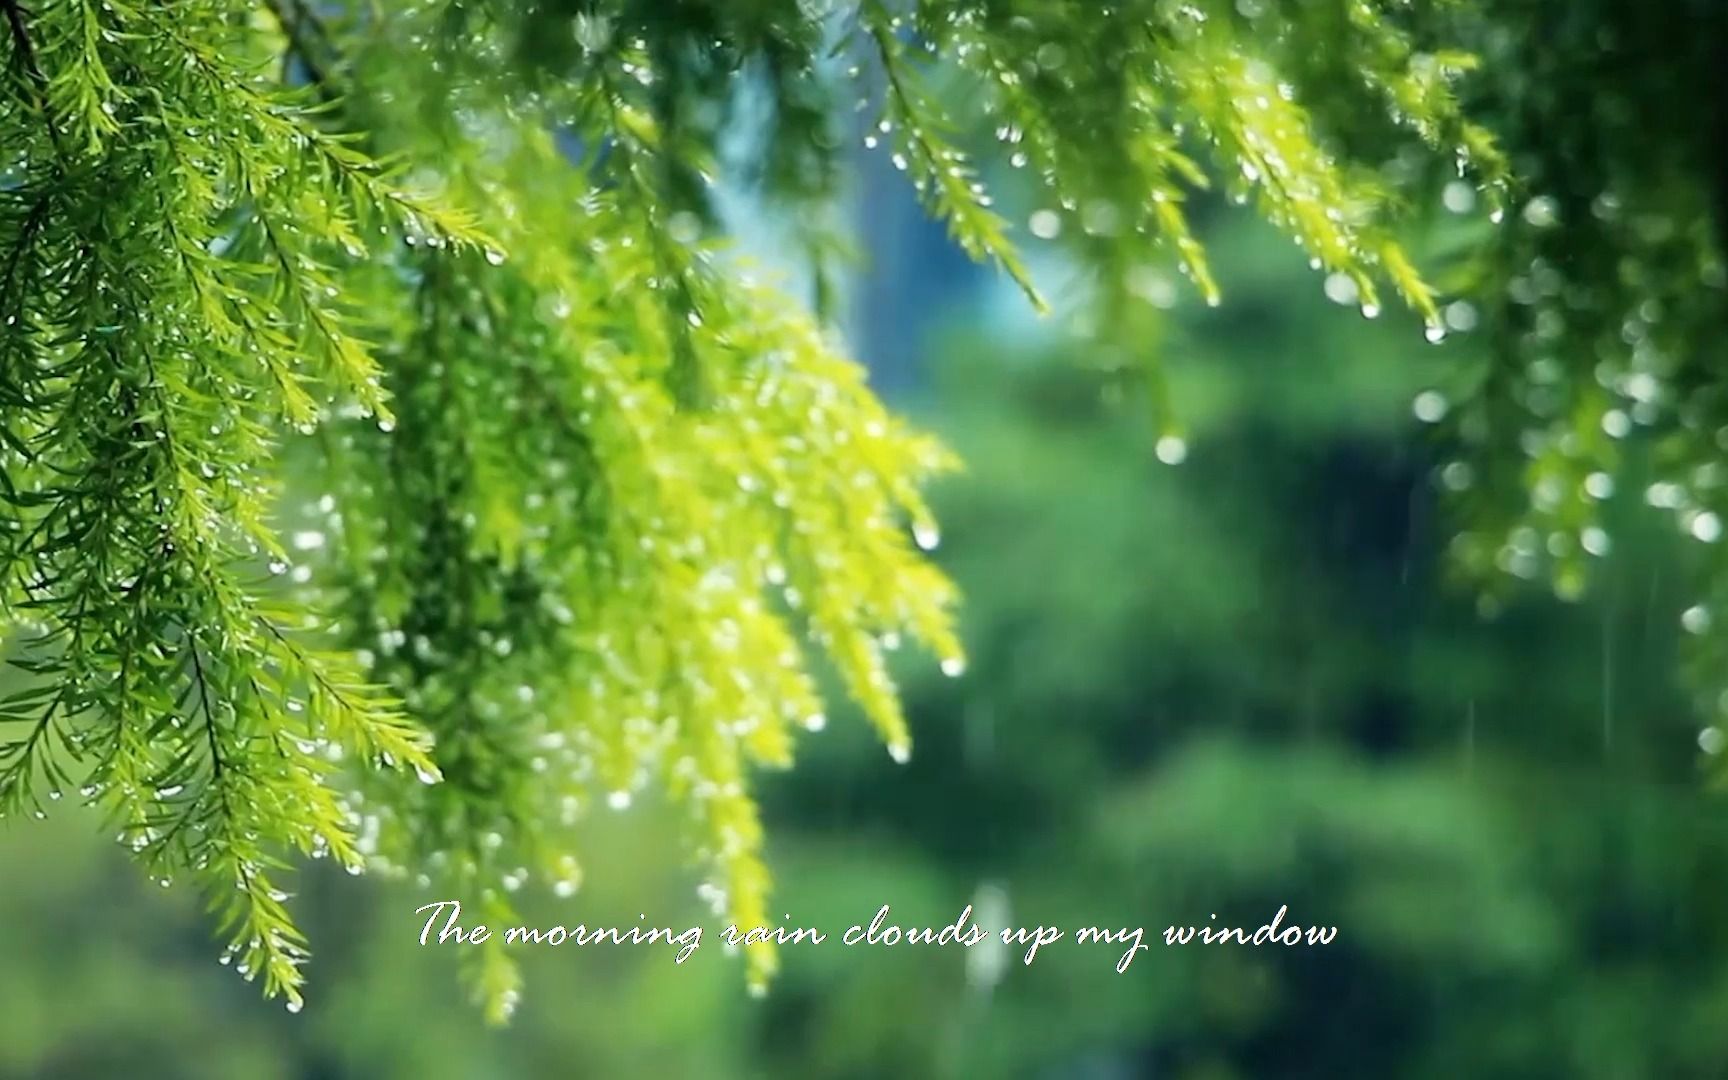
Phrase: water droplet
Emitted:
{"points": [[618, 800], [953, 667], [1461, 316], [1542, 212], [1429, 406], [900, 752], [1341, 289], [1458, 197], [926, 535], [295, 1005], [428, 774], [1172, 450]]}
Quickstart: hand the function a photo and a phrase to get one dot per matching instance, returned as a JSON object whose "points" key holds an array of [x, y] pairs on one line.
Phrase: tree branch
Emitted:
{"points": [[32, 70], [295, 18]]}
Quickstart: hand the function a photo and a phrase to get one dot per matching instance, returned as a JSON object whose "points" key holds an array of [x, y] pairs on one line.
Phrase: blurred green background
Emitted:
{"points": [[1221, 686]]}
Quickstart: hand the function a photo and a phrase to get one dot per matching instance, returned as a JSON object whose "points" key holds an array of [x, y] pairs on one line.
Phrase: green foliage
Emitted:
{"points": [[1600, 301], [593, 500]]}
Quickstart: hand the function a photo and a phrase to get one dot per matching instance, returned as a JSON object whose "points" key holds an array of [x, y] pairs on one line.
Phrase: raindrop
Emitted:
{"points": [[1542, 212], [1461, 316], [1695, 619], [1429, 406], [953, 667], [618, 800], [1172, 450], [1457, 476], [1341, 289]]}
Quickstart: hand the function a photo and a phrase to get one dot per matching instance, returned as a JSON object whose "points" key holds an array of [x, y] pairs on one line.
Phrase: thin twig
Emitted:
{"points": [[293, 22], [32, 70]]}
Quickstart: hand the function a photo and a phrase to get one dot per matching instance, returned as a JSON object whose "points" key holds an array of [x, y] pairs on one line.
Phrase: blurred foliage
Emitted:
{"points": [[1604, 297]]}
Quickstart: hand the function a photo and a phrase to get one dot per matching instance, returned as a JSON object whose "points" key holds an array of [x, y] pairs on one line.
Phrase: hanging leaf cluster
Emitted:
{"points": [[1602, 300], [397, 464]]}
